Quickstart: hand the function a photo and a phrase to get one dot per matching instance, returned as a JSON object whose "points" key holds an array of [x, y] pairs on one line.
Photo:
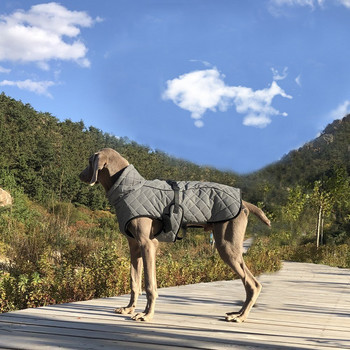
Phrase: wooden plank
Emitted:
{"points": [[303, 306]]}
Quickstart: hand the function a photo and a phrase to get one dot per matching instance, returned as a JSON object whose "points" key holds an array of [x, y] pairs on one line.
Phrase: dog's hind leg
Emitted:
{"points": [[253, 289], [135, 277], [229, 242]]}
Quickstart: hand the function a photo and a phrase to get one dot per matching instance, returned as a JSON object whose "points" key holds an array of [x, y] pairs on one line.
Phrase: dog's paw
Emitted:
{"points": [[124, 310], [139, 316], [142, 317], [234, 317]]}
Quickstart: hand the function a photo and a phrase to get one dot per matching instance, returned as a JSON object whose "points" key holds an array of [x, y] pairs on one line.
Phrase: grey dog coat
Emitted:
{"points": [[176, 204]]}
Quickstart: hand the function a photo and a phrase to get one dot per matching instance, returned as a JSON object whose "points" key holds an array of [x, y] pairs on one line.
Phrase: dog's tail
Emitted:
{"points": [[258, 212]]}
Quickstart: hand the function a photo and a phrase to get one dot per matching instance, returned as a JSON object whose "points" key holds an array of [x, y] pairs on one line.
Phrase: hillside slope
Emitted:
{"points": [[313, 160]]}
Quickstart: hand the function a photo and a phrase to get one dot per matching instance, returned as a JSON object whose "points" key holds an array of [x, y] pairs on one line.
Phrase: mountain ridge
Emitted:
{"points": [[314, 159]]}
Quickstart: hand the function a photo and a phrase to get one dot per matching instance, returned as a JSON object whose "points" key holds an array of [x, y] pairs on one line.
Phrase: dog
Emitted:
{"points": [[106, 167]]}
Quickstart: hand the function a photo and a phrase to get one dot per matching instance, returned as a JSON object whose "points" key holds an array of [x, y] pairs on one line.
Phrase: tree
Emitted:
{"points": [[297, 197], [321, 199], [331, 196]]}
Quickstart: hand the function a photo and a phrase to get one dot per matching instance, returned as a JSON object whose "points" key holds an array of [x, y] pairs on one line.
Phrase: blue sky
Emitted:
{"points": [[234, 84]]}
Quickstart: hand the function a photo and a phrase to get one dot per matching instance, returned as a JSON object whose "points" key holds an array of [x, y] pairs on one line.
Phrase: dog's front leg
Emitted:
{"points": [[142, 229], [135, 277]]}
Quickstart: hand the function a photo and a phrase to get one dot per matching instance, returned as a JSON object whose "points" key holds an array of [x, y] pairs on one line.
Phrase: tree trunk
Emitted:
{"points": [[318, 227], [321, 229]]}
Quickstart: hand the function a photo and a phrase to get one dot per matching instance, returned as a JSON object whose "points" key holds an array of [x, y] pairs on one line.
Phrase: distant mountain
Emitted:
{"points": [[314, 159]]}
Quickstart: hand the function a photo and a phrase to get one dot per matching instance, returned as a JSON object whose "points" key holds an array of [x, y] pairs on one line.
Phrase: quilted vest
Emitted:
{"points": [[176, 204]]}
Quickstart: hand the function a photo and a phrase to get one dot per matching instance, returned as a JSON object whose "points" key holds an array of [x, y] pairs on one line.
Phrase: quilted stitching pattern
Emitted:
{"points": [[201, 202]]}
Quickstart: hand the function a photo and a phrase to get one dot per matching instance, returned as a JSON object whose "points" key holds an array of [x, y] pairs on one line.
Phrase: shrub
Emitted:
{"points": [[332, 255], [7, 292], [263, 256]]}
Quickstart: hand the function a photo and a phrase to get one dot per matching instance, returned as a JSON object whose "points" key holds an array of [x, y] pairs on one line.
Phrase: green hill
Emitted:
{"points": [[315, 159]]}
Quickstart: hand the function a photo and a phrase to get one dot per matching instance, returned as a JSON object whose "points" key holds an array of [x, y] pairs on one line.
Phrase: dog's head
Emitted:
{"points": [[103, 165]]}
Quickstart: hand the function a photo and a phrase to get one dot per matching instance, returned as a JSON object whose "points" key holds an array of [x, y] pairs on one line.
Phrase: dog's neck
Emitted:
{"points": [[116, 176], [107, 180]]}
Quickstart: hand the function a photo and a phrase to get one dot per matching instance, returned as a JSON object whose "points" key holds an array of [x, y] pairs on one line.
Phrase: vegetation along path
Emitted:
{"points": [[303, 306]]}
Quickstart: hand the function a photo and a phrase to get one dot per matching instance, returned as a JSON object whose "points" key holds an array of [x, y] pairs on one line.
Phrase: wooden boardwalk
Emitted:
{"points": [[303, 306]]}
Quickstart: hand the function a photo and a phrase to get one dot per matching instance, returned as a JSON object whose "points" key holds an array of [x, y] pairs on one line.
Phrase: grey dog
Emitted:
{"points": [[105, 167]]}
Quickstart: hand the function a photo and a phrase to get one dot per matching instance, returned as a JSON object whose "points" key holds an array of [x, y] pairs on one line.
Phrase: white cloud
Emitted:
{"points": [[310, 3], [4, 70], [199, 123], [345, 3], [44, 66], [40, 35], [298, 80], [342, 110], [293, 2], [280, 3], [38, 87], [279, 76], [205, 63], [204, 90]]}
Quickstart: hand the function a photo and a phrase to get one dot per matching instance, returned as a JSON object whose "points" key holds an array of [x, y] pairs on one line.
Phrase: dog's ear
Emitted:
{"points": [[98, 162]]}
